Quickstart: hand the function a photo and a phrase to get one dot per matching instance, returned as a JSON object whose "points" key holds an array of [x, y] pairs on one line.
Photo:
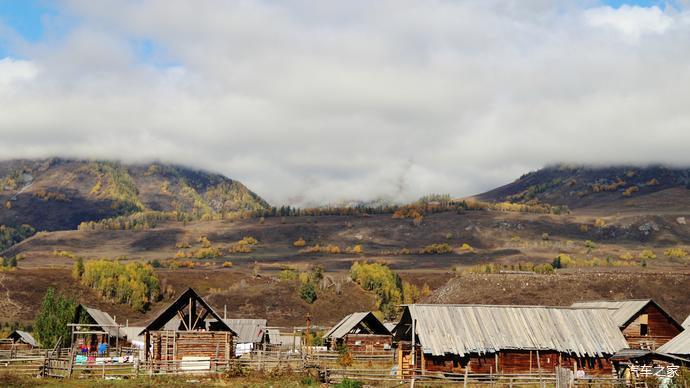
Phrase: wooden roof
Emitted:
{"points": [[463, 329], [624, 311], [193, 319], [357, 323]]}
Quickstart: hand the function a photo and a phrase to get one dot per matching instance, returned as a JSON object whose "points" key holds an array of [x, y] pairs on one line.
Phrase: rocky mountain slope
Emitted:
{"points": [[55, 194], [652, 187]]}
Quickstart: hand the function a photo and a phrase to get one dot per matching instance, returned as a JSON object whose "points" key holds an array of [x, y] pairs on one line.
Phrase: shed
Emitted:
{"points": [[679, 345], [250, 333], [644, 323], [505, 339], [22, 337], [359, 332], [94, 326], [188, 327]]}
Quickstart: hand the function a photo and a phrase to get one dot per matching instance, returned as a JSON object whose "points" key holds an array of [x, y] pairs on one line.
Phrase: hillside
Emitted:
{"points": [[58, 194], [633, 188]]}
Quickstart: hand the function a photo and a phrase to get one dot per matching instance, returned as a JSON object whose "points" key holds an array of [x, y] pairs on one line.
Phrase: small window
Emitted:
{"points": [[644, 329]]}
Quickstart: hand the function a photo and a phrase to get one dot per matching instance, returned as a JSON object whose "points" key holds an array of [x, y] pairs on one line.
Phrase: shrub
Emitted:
{"points": [[647, 254], [307, 291], [676, 253], [627, 256], [599, 223], [78, 269], [437, 249], [299, 243], [465, 247], [227, 264], [287, 273], [347, 383]]}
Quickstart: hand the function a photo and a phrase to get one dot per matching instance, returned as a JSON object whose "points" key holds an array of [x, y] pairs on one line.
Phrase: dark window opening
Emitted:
{"points": [[644, 329]]}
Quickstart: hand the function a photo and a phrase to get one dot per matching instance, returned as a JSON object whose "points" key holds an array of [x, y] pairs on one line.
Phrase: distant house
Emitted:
{"points": [[644, 323], [95, 326], [283, 341], [359, 332], [251, 333], [20, 337], [188, 329], [505, 339], [678, 346]]}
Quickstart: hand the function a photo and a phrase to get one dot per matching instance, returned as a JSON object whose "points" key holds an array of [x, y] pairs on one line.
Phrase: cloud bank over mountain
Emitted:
{"points": [[315, 102]]}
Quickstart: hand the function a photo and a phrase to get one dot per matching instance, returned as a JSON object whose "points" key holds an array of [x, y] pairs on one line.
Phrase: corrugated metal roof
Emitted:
{"points": [[248, 330], [350, 323], [686, 323], [103, 319], [680, 344], [132, 333], [621, 311], [24, 336], [463, 329], [275, 337]]}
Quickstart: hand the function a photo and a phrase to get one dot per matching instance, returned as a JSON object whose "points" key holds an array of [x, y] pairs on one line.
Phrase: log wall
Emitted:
{"points": [[368, 342], [173, 345]]}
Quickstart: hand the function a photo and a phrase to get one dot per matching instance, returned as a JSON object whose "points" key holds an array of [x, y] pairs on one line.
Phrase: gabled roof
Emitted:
{"points": [[248, 330], [22, 336], [623, 311], [362, 322], [463, 329], [680, 344], [101, 318], [170, 313], [686, 323]]}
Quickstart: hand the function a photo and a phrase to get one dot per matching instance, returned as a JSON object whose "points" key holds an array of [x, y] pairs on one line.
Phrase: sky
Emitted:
{"points": [[318, 102]]}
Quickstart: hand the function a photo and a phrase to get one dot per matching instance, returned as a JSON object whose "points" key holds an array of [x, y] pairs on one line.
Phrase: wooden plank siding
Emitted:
{"points": [[660, 329], [511, 362]]}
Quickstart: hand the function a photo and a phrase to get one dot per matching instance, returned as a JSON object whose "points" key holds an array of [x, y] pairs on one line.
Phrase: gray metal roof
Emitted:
{"points": [[621, 311], [103, 319], [463, 329], [132, 333], [680, 344], [351, 323], [23, 336], [686, 323], [248, 330]]}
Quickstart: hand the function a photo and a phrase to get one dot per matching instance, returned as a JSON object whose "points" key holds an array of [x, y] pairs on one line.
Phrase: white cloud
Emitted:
{"points": [[631, 21], [318, 102]]}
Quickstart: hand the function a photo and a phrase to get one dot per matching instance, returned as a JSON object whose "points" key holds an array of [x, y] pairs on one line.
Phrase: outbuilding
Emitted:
{"points": [[359, 332], [505, 339], [643, 322], [188, 329]]}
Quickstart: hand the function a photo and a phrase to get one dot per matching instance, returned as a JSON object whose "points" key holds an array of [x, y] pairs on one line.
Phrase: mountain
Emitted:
{"points": [[55, 194], [651, 187]]}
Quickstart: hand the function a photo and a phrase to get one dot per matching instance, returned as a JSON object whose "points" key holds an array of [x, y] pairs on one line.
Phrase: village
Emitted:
{"points": [[591, 343]]}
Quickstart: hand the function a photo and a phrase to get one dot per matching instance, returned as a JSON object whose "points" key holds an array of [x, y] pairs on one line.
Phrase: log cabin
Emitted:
{"points": [[678, 346], [93, 326], [359, 332], [19, 340], [644, 323], [504, 339], [188, 328]]}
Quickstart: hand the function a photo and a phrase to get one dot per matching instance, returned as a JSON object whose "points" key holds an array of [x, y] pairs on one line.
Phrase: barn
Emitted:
{"points": [[644, 323], [188, 328], [505, 339], [359, 332]]}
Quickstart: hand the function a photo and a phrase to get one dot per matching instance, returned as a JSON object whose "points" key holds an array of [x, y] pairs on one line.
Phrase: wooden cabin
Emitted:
{"points": [[188, 328], [18, 340], [678, 346], [505, 339], [644, 323], [359, 332]]}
